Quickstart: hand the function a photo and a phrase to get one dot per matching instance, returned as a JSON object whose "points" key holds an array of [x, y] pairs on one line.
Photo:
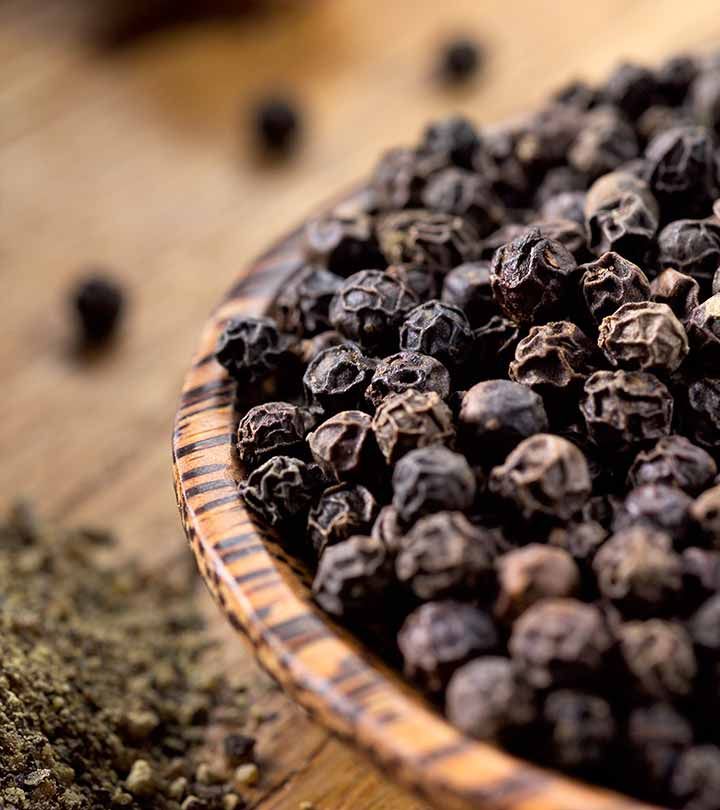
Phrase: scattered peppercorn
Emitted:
{"points": [[277, 124], [98, 303], [460, 60]]}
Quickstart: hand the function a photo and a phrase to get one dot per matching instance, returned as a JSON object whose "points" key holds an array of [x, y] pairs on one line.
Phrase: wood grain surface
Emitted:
{"points": [[135, 157]]}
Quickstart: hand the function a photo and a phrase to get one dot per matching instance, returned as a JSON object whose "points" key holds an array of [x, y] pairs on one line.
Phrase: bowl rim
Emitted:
{"points": [[320, 666]]}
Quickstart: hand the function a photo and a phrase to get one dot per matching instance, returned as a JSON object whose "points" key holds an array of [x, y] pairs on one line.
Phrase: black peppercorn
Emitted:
{"points": [[440, 330], [302, 305], [658, 734], [695, 782], [344, 445], [369, 308], [632, 88], [624, 409], [544, 475], [272, 429], [454, 138], [703, 328], [691, 246], [400, 176], [610, 282], [343, 244], [679, 291], [567, 205], [674, 461], [251, 348], [98, 302], [657, 506], [706, 513], [495, 344], [416, 278], [497, 414], [460, 60], [444, 555], [531, 277], [604, 143], [439, 637], [411, 419], [341, 512], [336, 378], [705, 100], [468, 287], [277, 124], [388, 529], [431, 479], [406, 370], [464, 194]]}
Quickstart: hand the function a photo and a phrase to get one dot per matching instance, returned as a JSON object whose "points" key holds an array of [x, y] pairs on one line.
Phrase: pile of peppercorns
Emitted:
{"points": [[500, 424]]}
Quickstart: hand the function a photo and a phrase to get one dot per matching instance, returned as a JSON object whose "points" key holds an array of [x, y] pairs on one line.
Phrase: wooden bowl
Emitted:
{"points": [[265, 595]]}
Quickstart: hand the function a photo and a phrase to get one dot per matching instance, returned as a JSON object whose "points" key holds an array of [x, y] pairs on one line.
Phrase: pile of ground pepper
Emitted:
{"points": [[105, 698]]}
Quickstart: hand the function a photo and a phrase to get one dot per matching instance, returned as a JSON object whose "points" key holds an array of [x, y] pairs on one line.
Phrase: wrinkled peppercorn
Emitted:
{"points": [[272, 429], [621, 215], [703, 328], [431, 479], [567, 232], [411, 419], [486, 699], [567, 205], [344, 446], [638, 571], [660, 507], [531, 276], [464, 194], [659, 657], [342, 244], [439, 637], [605, 142], [341, 512], [645, 336], [704, 627], [706, 512], [610, 282], [281, 489], [495, 416], [353, 577], [553, 357], [674, 461], [308, 349], [400, 176], [454, 138], [336, 378], [560, 642], [693, 247], [527, 575], [580, 729], [369, 308], [679, 291], [437, 241], [624, 409], [703, 412], [580, 540], [388, 529], [632, 88], [495, 344], [440, 330], [695, 782], [416, 278], [658, 734], [544, 475], [250, 348], [406, 370], [444, 555], [302, 305], [468, 287]]}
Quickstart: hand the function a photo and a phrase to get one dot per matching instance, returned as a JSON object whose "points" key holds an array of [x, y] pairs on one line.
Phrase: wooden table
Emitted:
{"points": [[135, 157]]}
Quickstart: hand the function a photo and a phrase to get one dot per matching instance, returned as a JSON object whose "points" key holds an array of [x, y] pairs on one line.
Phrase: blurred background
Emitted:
{"points": [[127, 144]]}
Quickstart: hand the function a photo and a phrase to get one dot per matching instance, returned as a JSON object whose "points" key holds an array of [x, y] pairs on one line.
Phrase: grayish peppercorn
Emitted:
{"points": [[468, 288], [341, 512], [408, 370], [674, 461], [272, 429], [580, 728], [344, 445], [439, 330]]}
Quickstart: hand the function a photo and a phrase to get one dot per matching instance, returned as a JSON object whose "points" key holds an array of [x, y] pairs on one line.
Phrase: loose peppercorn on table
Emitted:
{"points": [[136, 158]]}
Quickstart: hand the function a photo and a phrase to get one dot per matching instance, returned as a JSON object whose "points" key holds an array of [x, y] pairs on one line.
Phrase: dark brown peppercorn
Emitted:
{"points": [[632, 88], [460, 60], [605, 142], [406, 370], [675, 76], [674, 461], [464, 194], [277, 123], [621, 215], [554, 357], [98, 303], [703, 328], [531, 277], [444, 555], [610, 282], [548, 135], [659, 657], [544, 475], [497, 414], [302, 305], [336, 378], [660, 507], [411, 419], [440, 330], [580, 729], [344, 446], [644, 336], [625, 409], [705, 99], [455, 139], [416, 278], [706, 512], [701, 575], [679, 291], [581, 540], [486, 700], [272, 429], [695, 783], [238, 749], [387, 529], [369, 308], [439, 637], [658, 734], [703, 412], [353, 577], [693, 247], [682, 171], [559, 642], [308, 349], [343, 244], [281, 489], [495, 344], [527, 575], [638, 571], [704, 627], [438, 242], [567, 205], [432, 479], [341, 512], [569, 233], [250, 348], [468, 287], [499, 238], [400, 176]]}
